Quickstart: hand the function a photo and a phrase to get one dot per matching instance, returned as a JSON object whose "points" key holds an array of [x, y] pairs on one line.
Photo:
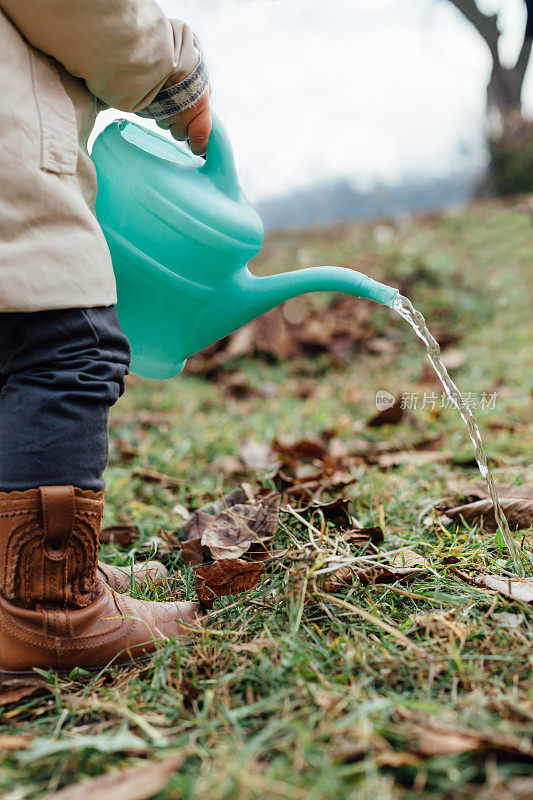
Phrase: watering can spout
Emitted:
{"points": [[278, 288], [244, 296], [265, 293]]}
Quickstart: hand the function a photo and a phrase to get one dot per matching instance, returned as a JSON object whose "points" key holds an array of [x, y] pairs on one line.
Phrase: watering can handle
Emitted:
{"points": [[219, 162]]}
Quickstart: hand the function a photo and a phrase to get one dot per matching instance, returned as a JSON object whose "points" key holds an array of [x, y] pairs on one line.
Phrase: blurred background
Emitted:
{"points": [[359, 109]]}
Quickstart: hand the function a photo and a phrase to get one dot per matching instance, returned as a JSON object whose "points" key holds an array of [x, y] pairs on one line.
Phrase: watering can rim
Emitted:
{"points": [[227, 222]]}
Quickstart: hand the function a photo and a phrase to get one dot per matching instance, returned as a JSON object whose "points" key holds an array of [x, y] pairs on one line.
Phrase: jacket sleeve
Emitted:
{"points": [[126, 51]]}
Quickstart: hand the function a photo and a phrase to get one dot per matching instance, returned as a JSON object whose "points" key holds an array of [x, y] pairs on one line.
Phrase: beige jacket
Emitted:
{"points": [[60, 62]]}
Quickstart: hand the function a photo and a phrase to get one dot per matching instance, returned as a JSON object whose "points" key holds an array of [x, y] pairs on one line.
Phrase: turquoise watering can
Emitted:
{"points": [[181, 233]]}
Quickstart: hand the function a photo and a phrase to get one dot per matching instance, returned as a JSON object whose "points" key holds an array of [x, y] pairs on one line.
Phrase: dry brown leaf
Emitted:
{"points": [[194, 527], [228, 465], [239, 528], [152, 476], [441, 623], [360, 536], [126, 451], [335, 512], [371, 452], [237, 520], [413, 457], [388, 416], [514, 588], [431, 737], [193, 553], [401, 566], [312, 486], [197, 523], [444, 743], [301, 449], [20, 742], [14, 689], [338, 580], [509, 620], [153, 419], [478, 490], [519, 513], [227, 576], [257, 456], [122, 535], [237, 385], [132, 783]]}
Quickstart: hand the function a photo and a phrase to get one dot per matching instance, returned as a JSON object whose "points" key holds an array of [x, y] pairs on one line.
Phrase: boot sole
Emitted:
{"points": [[65, 672]]}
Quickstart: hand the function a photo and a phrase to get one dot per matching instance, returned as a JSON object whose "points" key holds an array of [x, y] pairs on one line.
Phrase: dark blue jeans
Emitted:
{"points": [[60, 371]]}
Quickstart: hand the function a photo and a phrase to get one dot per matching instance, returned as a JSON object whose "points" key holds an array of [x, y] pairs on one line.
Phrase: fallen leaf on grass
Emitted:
{"points": [[257, 456], [226, 576], [337, 581], [431, 737], [235, 525], [514, 588], [509, 620], [241, 527], [202, 517], [126, 451], [16, 742], [193, 553], [196, 525], [360, 536], [444, 743], [132, 783], [519, 513], [301, 449], [14, 689], [153, 419], [237, 385], [335, 512], [228, 465], [400, 566], [230, 527], [388, 416], [152, 476], [412, 458], [441, 623], [357, 745], [478, 490], [123, 535], [312, 486]]}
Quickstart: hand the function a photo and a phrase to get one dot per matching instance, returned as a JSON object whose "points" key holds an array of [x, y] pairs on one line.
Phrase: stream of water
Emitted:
{"points": [[404, 307]]}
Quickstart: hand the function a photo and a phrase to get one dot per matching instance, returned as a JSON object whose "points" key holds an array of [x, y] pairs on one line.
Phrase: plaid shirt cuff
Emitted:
{"points": [[183, 95]]}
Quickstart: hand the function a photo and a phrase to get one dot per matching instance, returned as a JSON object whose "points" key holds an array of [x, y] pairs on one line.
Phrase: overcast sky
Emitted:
{"points": [[364, 89]]}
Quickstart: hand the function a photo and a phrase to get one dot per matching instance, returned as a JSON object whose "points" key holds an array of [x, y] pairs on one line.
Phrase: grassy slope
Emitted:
{"points": [[281, 701]]}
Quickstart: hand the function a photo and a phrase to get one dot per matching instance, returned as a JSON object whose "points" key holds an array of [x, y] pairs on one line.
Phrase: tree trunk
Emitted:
{"points": [[510, 136], [504, 91]]}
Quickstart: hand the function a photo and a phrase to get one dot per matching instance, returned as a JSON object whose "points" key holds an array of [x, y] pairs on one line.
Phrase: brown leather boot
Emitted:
{"points": [[56, 611]]}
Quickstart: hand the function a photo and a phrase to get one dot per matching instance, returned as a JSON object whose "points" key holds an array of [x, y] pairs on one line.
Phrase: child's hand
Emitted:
{"points": [[193, 124]]}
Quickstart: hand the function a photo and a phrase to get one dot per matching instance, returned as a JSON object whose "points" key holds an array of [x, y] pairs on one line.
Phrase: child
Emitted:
{"points": [[63, 356]]}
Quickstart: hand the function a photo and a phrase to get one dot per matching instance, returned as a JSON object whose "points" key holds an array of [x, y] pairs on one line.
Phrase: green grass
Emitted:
{"points": [[294, 692]]}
